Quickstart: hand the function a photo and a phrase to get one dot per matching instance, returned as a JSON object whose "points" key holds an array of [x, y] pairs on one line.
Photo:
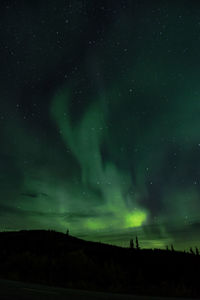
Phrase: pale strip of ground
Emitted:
{"points": [[13, 290]]}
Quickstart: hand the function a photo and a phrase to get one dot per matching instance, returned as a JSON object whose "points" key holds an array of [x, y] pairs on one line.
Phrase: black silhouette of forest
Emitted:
{"points": [[58, 259]]}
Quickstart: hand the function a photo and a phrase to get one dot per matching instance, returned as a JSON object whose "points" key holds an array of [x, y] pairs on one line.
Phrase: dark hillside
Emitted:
{"points": [[58, 259]]}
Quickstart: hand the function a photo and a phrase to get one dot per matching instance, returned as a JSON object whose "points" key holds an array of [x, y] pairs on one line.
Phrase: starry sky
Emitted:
{"points": [[100, 119]]}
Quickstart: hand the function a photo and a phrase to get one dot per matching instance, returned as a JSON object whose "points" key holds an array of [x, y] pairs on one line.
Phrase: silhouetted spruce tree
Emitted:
{"points": [[137, 243], [131, 244], [167, 248], [172, 247], [197, 251], [191, 250], [67, 232]]}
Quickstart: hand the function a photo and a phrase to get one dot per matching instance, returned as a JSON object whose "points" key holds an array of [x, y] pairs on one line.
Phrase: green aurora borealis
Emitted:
{"points": [[100, 119]]}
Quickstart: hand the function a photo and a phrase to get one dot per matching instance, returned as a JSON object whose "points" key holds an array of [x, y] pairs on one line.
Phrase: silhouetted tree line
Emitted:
{"points": [[53, 258], [132, 246], [136, 245]]}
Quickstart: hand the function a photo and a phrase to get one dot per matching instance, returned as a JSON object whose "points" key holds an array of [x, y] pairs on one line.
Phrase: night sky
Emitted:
{"points": [[100, 119]]}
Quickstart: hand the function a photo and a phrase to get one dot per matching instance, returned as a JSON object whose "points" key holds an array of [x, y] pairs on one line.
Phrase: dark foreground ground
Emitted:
{"points": [[60, 260], [11, 290]]}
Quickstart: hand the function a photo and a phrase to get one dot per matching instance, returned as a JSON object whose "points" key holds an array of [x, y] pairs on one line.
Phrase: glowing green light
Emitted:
{"points": [[94, 224], [136, 218]]}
